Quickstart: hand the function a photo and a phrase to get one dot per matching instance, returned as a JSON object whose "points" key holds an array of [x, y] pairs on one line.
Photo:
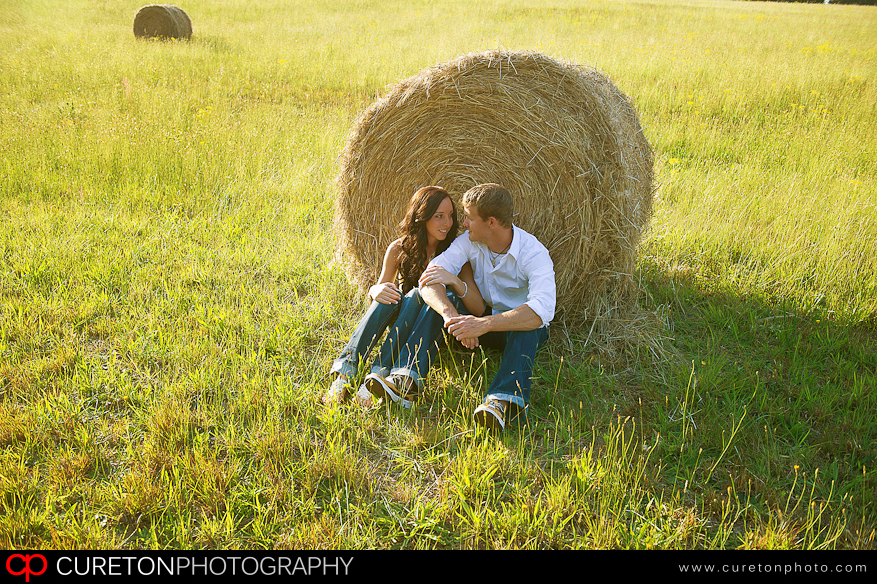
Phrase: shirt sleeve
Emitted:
{"points": [[542, 290], [455, 257]]}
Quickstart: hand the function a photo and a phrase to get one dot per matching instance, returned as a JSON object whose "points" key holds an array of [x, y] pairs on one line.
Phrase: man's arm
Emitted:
{"points": [[436, 296], [522, 318], [535, 313]]}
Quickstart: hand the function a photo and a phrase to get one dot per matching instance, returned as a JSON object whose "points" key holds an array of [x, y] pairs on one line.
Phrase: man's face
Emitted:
{"points": [[479, 229]]}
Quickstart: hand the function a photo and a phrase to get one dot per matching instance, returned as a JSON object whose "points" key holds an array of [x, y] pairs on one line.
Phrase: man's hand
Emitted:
{"points": [[467, 329], [438, 275], [470, 343]]}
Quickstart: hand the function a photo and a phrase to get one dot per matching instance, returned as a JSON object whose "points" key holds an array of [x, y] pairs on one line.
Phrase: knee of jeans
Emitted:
{"points": [[539, 335], [414, 293]]}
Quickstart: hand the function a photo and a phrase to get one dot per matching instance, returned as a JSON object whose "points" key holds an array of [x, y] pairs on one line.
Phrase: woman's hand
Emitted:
{"points": [[439, 275], [385, 293]]}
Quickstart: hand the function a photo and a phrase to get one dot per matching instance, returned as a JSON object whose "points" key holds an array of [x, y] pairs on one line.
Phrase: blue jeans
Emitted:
{"points": [[515, 376], [417, 353], [370, 328]]}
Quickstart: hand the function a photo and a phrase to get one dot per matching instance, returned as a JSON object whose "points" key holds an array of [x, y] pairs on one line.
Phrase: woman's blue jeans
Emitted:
{"points": [[412, 343], [377, 318]]}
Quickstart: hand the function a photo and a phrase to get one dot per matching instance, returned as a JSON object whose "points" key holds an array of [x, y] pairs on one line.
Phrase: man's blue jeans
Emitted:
{"points": [[370, 328], [514, 378]]}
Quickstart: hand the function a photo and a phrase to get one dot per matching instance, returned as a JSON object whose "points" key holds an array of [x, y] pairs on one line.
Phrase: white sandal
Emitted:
{"points": [[364, 398], [336, 393]]}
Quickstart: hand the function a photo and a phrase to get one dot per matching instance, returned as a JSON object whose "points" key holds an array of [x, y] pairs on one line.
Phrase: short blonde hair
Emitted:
{"points": [[491, 200]]}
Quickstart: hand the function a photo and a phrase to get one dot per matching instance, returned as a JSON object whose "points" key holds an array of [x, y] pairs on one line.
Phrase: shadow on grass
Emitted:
{"points": [[759, 401]]}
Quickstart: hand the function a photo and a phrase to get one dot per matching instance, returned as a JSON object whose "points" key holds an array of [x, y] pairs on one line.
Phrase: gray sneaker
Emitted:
{"points": [[393, 388], [491, 414]]}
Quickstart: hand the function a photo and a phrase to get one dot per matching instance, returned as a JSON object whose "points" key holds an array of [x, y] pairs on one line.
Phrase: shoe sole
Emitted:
{"points": [[486, 418], [381, 388]]}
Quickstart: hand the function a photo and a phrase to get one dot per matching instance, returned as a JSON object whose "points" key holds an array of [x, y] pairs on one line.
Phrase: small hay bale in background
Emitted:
{"points": [[562, 138], [162, 21]]}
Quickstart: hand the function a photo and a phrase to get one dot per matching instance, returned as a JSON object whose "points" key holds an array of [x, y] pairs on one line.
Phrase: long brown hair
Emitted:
{"points": [[412, 230]]}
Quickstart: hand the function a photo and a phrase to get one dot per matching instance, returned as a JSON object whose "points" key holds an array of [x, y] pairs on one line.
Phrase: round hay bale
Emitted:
{"points": [[561, 137], [162, 21]]}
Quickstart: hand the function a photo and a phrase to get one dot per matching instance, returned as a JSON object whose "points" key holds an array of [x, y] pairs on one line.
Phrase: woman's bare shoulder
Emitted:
{"points": [[394, 250], [395, 247]]}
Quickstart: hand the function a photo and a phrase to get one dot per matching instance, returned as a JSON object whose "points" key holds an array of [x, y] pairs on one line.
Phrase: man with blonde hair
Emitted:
{"points": [[515, 275]]}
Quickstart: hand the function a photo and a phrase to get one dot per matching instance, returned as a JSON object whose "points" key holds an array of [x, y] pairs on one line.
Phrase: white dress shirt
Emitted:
{"points": [[522, 275]]}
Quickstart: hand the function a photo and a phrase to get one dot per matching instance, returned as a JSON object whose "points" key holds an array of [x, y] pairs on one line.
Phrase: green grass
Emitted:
{"points": [[169, 303]]}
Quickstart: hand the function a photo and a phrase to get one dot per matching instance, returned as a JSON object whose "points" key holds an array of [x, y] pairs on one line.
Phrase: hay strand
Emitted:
{"points": [[561, 137], [162, 21]]}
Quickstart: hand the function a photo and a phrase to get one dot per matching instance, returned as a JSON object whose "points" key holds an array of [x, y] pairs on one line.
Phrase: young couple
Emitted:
{"points": [[493, 286]]}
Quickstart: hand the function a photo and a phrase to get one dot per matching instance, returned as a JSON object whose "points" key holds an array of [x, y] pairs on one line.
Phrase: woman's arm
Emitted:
{"points": [[473, 300], [386, 291]]}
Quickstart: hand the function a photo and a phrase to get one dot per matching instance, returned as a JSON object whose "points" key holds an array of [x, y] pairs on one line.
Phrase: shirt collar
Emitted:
{"points": [[515, 247]]}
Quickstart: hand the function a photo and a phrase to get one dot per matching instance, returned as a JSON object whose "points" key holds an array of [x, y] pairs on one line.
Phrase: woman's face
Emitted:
{"points": [[438, 226]]}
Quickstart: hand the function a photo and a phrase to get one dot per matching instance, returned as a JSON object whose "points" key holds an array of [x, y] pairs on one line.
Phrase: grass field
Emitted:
{"points": [[169, 305]]}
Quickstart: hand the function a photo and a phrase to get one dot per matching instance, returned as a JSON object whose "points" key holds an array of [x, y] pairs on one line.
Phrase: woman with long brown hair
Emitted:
{"points": [[429, 227]]}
